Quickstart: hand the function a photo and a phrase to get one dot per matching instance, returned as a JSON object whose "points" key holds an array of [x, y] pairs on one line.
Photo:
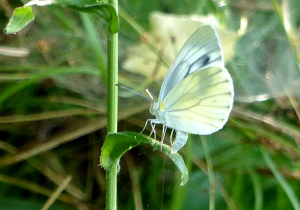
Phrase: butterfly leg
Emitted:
{"points": [[145, 125], [171, 137], [153, 124], [164, 130]]}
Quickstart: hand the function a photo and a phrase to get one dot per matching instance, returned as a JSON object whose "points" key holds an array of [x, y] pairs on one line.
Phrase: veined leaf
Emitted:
{"points": [[116, 144]]}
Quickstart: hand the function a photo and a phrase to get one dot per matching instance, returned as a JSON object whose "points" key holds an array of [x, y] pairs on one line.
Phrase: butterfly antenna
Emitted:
{"points": [[126, 88], [149, 94]]}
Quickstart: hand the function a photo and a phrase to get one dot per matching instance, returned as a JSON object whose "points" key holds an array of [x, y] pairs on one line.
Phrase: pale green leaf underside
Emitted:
{"points": [[117, 144]]}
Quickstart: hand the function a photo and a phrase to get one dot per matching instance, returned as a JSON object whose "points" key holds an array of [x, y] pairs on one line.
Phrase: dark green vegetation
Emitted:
{"points": [[53, 113]]}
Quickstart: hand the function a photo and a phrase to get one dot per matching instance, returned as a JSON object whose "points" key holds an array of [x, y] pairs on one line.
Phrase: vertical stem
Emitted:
{"points": [[212, 189], [112, 105], [111, 187], [112, 111]]}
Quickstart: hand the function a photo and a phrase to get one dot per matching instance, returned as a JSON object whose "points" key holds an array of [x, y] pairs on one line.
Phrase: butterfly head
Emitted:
{"points": [[153, 108], [158, 113]]}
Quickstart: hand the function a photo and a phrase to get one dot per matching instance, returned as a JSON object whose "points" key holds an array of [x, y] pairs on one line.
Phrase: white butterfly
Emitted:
{"points": [[197, 93]]}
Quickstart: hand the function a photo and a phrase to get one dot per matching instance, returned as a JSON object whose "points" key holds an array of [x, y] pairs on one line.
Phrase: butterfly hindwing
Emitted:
{"points": [[180, 141], [201, 103]]}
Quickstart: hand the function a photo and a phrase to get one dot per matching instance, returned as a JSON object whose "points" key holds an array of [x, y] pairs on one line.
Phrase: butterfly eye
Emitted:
{"points": [[153, 108]]}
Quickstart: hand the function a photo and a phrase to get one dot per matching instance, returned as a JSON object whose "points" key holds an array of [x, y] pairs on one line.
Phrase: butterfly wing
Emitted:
{"points": [[202, 49], [201, 103], [180, 141]]}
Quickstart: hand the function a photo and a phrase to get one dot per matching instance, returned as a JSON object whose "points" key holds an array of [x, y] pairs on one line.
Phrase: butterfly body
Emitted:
{"points": [[197, 94]]}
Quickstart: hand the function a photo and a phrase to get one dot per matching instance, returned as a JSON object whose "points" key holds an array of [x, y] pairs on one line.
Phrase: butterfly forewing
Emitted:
{"points": [[201, 103], [201, 50]]}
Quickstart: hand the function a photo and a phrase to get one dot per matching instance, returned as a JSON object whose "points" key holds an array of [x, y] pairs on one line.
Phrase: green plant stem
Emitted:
{"points": [[112, 108], [111, 187], [112, 111]]}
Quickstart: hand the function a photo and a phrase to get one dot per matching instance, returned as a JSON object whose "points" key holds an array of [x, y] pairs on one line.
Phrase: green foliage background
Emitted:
{"points": [[53, 116]]}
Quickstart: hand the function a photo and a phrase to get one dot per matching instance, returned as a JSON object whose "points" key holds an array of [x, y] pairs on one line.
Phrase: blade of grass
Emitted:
{"points": [[78, 102], [229, 201], [267, 133], [56, 193], [8, 92], [49, 173], [179, 192], [283, 127], [46, 115], [33, 187], [281, 180], [16, 76], [142, 32], [284, 15], [212, 184], [36, 69], [95, 43], [257, 190], [294, 103], [91, 126], [136, 189]]}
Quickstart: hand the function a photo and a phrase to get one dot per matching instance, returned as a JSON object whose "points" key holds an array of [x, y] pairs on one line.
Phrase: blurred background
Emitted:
{"points": [[53, 107]]}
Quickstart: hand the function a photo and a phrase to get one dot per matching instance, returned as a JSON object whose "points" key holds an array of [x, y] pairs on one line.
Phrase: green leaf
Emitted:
{"points": [[20, 18], [23, 15], [117, 144], [105, 11]]}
